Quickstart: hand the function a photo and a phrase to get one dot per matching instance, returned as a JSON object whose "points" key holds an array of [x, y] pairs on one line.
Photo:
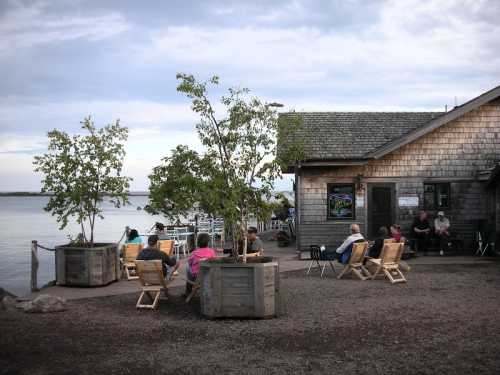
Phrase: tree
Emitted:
{"points": [[234, 176], [80, 170]]}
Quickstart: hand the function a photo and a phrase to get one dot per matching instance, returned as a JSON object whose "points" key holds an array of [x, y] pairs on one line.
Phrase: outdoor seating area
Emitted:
{"points": [[433, 312]]}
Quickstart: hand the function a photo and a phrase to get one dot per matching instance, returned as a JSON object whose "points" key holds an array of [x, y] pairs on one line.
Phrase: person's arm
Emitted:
{"points": [[260, 245], [344, 245], [169, 261]]}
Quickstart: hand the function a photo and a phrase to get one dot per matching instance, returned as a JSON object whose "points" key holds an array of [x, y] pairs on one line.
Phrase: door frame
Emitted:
{"points": [[370, 187]]}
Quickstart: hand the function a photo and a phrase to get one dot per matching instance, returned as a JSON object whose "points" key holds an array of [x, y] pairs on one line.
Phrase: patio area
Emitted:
{"points": [[444, 320]]}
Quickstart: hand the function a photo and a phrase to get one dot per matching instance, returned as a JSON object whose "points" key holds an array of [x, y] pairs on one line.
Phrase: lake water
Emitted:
{"points": [[22, 219]]}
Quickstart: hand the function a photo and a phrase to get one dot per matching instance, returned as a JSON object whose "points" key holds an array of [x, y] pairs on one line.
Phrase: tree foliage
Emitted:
{"points": [[80, 170], [234, 176]]}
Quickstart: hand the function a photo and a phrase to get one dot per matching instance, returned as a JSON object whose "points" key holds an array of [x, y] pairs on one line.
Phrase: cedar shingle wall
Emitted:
{"points": [[456, 151]]}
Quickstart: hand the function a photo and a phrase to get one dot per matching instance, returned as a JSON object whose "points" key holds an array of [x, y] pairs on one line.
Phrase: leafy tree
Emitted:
{"points": [[234, 176], [80, 170]]}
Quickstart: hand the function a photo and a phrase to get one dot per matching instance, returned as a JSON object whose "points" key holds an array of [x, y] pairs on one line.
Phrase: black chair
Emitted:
{"points": [[317, 262]]}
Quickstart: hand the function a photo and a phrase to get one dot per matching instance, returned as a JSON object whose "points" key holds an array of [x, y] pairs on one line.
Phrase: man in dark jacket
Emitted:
{"points": [[152, 252], [421, 231]]}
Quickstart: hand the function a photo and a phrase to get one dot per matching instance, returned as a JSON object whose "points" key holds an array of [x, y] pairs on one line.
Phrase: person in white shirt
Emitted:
{"points": [[355, 236], [442, 230]]}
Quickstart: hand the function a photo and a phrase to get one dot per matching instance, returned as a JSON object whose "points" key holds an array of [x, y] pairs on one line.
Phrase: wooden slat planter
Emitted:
{"points": [[237, 290], [83, 266]]}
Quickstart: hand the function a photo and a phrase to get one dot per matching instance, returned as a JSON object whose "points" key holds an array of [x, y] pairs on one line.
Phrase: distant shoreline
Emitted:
{"points": [[35, 194]]}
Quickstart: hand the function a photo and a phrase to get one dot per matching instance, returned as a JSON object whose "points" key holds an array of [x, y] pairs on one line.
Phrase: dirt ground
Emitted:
{"points": [[444, 321]]}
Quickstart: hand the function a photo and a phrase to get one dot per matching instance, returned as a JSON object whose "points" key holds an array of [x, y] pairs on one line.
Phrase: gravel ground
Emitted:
{"points": [[445, 320]]}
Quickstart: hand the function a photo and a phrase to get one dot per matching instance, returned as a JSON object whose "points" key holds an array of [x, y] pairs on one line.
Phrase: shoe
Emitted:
{"points": [[441, 252]]}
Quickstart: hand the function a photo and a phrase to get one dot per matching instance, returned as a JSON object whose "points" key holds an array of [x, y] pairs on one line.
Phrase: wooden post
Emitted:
{"points": [[34, 266]]}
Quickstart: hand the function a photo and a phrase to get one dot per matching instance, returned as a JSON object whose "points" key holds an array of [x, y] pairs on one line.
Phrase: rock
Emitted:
{"points": [[8, 303], [4, 293], [44, 303]]}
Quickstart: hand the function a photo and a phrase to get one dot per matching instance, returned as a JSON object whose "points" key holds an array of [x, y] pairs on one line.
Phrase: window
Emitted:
{"points": [[436, 196], [340, 200]]}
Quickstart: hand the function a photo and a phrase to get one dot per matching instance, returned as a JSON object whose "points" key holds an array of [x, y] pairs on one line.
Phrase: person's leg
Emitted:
{"points": [[189, 286]]}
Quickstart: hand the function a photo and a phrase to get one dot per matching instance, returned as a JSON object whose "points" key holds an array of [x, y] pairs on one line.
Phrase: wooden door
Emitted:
{"points": [[381, 207]]}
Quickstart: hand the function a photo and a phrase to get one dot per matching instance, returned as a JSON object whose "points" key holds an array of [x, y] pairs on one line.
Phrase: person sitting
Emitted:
{"points": [[133, 237], [337, 253], [421, 231], [254, 243], [152, 252], [375, 249], [202, 252], [442, 230], [396, 233], [160, 231]]}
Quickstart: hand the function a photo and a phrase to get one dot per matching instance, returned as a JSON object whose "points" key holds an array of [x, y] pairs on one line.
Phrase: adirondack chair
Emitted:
{"points": [[167, 246], [389, 240], [152, 282], [388, 263], [129, 254], [355, 263]]}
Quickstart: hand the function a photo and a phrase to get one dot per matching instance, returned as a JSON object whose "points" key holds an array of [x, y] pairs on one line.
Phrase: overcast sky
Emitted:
{"points": [[63, 60]]}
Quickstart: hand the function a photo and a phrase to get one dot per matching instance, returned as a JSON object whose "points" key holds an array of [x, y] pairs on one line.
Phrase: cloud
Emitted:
{"points": [[37, 115], [27, 26]]}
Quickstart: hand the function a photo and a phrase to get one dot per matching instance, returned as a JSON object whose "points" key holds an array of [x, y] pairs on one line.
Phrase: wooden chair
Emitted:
{"points": [[355, 264], [130, 251], [167, 246], [388, 263], [389, 240], [152, 282]]}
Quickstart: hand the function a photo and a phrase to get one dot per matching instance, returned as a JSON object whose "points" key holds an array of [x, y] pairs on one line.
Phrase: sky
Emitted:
{"points": [[61, 61]]}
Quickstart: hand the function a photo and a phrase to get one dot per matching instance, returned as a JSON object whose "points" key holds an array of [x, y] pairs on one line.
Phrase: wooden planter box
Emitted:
{"points": [[84, 266], [237, 290]]}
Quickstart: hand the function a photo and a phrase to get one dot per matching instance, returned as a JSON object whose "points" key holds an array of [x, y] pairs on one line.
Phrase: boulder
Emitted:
{"points": [[8, 303], [44, 303]]}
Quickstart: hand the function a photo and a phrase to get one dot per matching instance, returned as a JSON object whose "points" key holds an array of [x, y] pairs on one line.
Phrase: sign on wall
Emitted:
{"points": [[360, 201], [341, 200], [408, 201]]}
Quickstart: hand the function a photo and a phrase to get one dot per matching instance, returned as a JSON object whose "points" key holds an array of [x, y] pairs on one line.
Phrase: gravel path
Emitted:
{"points": [[444, 321]]}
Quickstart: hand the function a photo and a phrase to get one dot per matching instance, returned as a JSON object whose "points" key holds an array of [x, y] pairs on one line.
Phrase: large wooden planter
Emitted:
{"points": [[84, 266], [237, 290]]}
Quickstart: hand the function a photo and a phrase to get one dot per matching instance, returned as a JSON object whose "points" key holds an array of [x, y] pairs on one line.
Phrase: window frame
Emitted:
{"points": [[329, 186], [435, 197]]}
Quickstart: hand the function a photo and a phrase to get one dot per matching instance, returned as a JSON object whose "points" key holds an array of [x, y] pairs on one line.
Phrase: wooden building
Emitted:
{"points": [[378, 168]]}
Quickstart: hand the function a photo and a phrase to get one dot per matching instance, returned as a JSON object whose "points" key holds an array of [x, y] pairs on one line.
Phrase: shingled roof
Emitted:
{"points": [[352, 135]]}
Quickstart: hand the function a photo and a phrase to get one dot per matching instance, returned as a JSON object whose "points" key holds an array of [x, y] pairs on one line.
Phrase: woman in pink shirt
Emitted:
{"points": [[201, 253]]}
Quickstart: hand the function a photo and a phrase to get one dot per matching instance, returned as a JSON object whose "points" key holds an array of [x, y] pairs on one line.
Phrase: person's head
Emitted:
{"points": [[383, 232], [395, 228], [153, 240], [422, 215], [252, 234], [202, 240], [440, 215], [133, 234], [159, 227], [355, 228]]}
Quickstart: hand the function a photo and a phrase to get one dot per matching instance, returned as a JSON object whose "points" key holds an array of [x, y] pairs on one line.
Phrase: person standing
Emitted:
{"points": [[442, 230], [421, 231]]}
